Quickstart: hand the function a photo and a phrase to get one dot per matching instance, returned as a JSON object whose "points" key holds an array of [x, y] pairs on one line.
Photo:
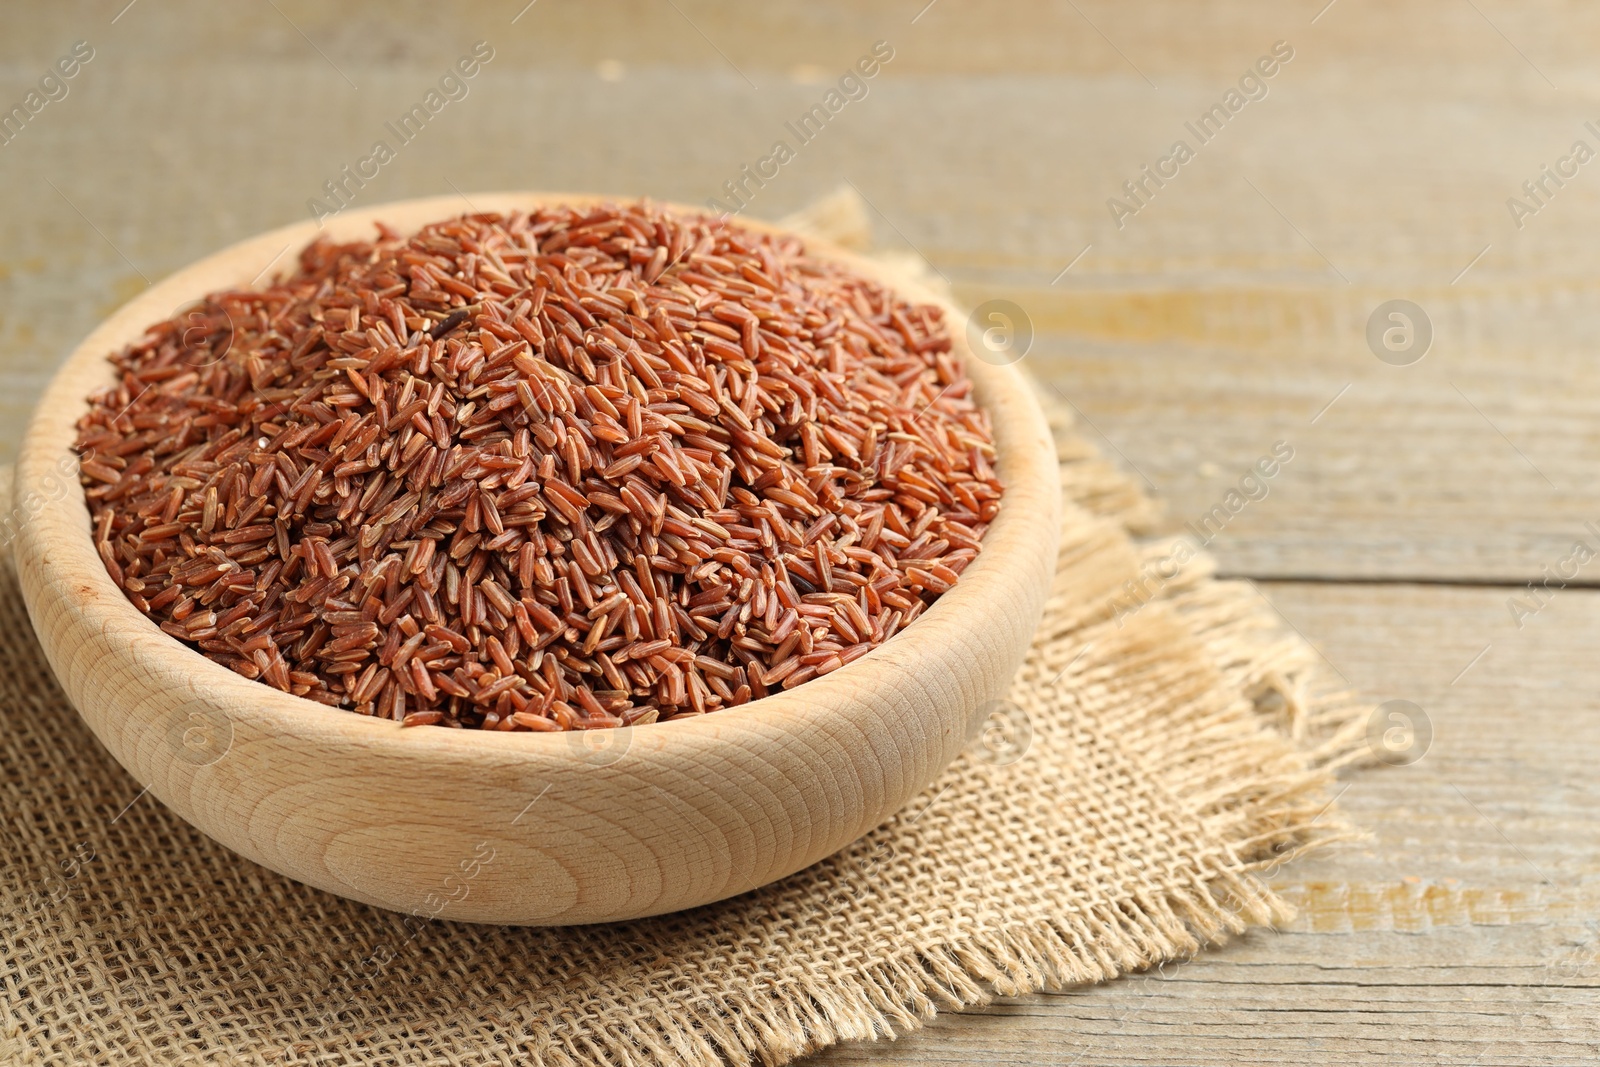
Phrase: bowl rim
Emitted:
{"points": [[1025, 462]]}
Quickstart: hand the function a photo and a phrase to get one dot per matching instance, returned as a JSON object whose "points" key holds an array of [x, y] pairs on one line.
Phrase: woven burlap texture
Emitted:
{"points": [[1168, 741]]}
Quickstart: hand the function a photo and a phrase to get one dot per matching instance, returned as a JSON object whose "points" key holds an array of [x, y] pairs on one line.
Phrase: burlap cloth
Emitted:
{"points": [[1157, 759]]}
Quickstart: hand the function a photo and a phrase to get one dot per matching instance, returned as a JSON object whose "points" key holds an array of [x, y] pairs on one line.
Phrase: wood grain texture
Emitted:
{"points": [[581, 827], [1384, 154], [1464, 932], [1474, 463], [1208, 327]]}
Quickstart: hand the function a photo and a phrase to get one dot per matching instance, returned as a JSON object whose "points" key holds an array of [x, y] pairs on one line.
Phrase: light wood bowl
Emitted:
{"points": [[531, 829]]}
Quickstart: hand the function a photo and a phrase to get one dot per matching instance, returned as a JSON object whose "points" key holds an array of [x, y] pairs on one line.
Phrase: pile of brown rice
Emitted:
{"points": [[576, 468]]}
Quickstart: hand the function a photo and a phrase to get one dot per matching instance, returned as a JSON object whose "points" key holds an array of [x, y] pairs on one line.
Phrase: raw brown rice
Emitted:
{"points": [[576, 468]]}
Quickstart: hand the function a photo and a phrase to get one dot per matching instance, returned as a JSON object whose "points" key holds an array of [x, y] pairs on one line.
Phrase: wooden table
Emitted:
{"points": [[1227, 313]]}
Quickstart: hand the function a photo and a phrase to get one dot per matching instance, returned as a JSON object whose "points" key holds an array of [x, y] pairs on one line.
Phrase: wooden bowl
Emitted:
{"points": [[524, 828]]}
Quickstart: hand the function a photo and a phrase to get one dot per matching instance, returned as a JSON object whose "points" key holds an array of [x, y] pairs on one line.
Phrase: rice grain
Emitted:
{"points": [[566, 469]]}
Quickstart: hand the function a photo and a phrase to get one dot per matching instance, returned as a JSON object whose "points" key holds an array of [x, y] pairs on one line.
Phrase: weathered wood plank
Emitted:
{"points": [[1214, 321], [1487, 845], [1474, 463]]}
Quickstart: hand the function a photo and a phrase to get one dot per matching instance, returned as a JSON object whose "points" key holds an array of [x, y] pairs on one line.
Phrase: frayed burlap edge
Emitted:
{"points": [[1256, 772], [1265, 732]]}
